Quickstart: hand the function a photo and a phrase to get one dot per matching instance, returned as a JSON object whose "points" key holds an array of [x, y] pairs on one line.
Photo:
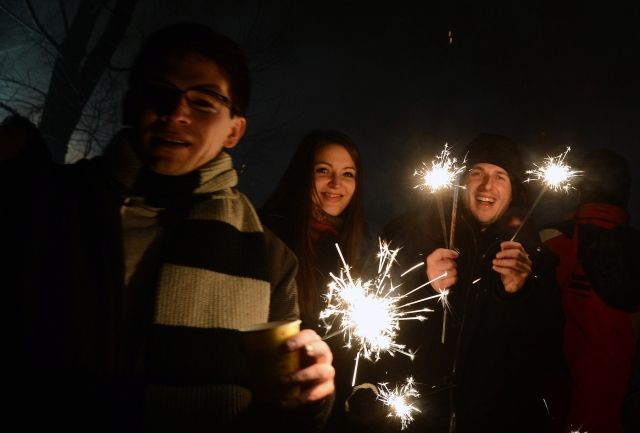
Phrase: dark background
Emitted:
{"points": [[549, 76]]}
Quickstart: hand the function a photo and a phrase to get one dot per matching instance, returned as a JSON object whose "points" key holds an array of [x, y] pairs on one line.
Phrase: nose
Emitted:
{"points": [[334, 181], [487, 182], [179, 111]]}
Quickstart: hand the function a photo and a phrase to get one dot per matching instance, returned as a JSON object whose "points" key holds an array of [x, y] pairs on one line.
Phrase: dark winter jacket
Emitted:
{"points": [[489, 372], [597, 275], [166, 356]]}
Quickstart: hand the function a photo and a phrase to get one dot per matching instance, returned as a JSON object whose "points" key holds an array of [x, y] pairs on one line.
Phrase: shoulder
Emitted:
{"points": [[276, 246], [553, 230], [281, 258], [280, 225]]}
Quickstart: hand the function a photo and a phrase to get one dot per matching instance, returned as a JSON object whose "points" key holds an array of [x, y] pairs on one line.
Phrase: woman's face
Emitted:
{"points": [[335, 178]]}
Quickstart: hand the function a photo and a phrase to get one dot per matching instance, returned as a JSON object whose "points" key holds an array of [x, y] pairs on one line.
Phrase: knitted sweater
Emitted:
{"points": [[160, 349]]}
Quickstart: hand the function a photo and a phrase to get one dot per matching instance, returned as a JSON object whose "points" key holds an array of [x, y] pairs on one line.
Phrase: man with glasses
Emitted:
{"points": [[148, 262]]}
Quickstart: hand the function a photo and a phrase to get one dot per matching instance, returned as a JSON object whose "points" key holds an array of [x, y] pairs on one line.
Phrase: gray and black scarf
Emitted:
{"points": [[212, 279]]}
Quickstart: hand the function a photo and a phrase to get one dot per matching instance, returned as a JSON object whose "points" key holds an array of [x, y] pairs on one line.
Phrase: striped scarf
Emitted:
{"points": [[213, 280]]}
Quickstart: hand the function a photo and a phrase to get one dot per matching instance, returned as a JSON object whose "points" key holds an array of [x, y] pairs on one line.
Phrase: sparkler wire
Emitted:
{"points": [[531, 209], [442, 222]]}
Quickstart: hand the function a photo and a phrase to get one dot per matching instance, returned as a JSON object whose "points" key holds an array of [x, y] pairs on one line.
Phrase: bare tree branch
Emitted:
{"points": [[43, 31], [25, 85], [63, 13], [20, 21], [8, 108], [117, 25]]}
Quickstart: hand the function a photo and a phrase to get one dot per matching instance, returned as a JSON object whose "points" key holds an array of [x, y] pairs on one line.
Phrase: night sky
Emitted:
{"points": [[547, 77], [392, 78]]}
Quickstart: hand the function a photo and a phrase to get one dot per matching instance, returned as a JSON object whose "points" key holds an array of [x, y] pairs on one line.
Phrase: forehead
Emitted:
{"points": [[487, 168], [190, 70], [334, 154]]}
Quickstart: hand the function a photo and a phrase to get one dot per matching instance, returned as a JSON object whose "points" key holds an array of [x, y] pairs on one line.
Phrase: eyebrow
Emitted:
{"points": [[498, 171], [206, 87], [327, 163]]}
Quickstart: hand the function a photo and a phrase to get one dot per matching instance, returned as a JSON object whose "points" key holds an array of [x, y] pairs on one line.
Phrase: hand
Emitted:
{"points": [[513, 264], [317, 373], [438, 262]]}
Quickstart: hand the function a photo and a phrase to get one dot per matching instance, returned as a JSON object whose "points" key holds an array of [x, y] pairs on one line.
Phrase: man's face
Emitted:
{"points": [[488, 192], [185, 120]]}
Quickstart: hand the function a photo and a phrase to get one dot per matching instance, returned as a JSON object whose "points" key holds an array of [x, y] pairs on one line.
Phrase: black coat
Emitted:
{"points": [[490, 370]]}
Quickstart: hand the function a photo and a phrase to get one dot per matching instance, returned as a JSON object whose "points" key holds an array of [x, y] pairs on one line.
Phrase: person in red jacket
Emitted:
{"points": [[598, 253]]}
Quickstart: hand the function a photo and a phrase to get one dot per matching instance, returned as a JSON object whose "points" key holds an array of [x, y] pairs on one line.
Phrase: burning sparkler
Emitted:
{"points": [[399, 401], [368, 313], [554, 175], [441, 174]]}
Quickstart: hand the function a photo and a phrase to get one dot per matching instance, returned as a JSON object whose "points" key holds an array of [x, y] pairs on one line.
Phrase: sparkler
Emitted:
{"points": [[368, 313], [443, 174], [554, 175], [399, 401], [440, 175]]}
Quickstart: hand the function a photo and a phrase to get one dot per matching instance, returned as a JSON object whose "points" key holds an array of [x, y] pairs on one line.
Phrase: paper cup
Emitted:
{"points": [[268, 359]]}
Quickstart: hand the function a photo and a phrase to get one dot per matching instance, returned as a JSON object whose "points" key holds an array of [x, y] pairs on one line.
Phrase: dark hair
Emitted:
{"points": [[292, 200], [26, 135], [194, 38], [501, 151], [606, 178]]}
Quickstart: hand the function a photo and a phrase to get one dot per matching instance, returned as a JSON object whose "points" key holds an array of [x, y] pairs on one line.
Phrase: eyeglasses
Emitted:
{"points": [[163, 98]]}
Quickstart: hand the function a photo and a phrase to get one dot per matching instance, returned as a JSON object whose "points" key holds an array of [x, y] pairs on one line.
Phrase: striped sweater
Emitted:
{"points": [[148, 279]]}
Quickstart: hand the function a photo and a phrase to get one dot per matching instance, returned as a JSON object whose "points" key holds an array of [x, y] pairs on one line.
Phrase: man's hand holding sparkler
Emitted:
{"points": [[316, 378], [441, 261], [513, 264]]}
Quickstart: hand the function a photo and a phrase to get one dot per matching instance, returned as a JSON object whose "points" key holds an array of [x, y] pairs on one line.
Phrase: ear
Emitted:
{"points": [[239, 125]]}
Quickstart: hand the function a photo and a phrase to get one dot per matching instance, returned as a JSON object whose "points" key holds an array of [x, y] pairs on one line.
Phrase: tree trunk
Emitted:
{"points": [[76, 71]]}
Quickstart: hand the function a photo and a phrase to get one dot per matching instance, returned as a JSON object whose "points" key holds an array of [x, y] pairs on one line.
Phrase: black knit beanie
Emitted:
{"points": [[606, 179], [501, 151]]}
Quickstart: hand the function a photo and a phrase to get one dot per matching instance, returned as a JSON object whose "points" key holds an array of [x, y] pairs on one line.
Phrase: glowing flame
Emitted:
{"points": [[399, 401], [442, 173], [368, 313], [554, 173]]}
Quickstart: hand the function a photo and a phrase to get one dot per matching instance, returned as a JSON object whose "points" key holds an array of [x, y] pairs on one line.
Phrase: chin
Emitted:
{"points": [[332, 212], [165, 169]]}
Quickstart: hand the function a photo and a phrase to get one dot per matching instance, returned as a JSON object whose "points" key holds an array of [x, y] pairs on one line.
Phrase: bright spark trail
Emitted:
{"points": [[368, 313], [554, 175], [399, 401]]}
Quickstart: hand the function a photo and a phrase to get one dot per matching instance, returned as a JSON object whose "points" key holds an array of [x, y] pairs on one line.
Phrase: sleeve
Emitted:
{"points": [[609, 259], [631, 404], [283, 267]]}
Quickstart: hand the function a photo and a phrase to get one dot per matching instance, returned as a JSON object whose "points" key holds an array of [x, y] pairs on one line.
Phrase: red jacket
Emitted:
{"points": [[600, 292]]}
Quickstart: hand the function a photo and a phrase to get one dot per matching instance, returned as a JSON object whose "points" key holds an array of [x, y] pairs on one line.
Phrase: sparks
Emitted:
{"points": [[554, 173], [399, 401], [368, 313], [442, 174]]}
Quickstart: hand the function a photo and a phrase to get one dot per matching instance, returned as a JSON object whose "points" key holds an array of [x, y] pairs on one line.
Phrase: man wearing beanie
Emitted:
{"points": [[598, 253], [503, 325]]}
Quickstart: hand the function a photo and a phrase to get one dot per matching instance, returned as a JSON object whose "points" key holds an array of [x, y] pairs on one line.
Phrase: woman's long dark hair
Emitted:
{"points": [[292, 201]]}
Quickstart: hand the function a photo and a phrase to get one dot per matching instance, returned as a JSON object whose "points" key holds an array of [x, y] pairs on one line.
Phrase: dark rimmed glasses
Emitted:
{"points": [[163, 98]]}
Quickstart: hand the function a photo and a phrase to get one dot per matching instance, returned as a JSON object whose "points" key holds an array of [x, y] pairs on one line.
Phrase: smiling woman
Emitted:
{"points": [[335, 178], [317, 203]]}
